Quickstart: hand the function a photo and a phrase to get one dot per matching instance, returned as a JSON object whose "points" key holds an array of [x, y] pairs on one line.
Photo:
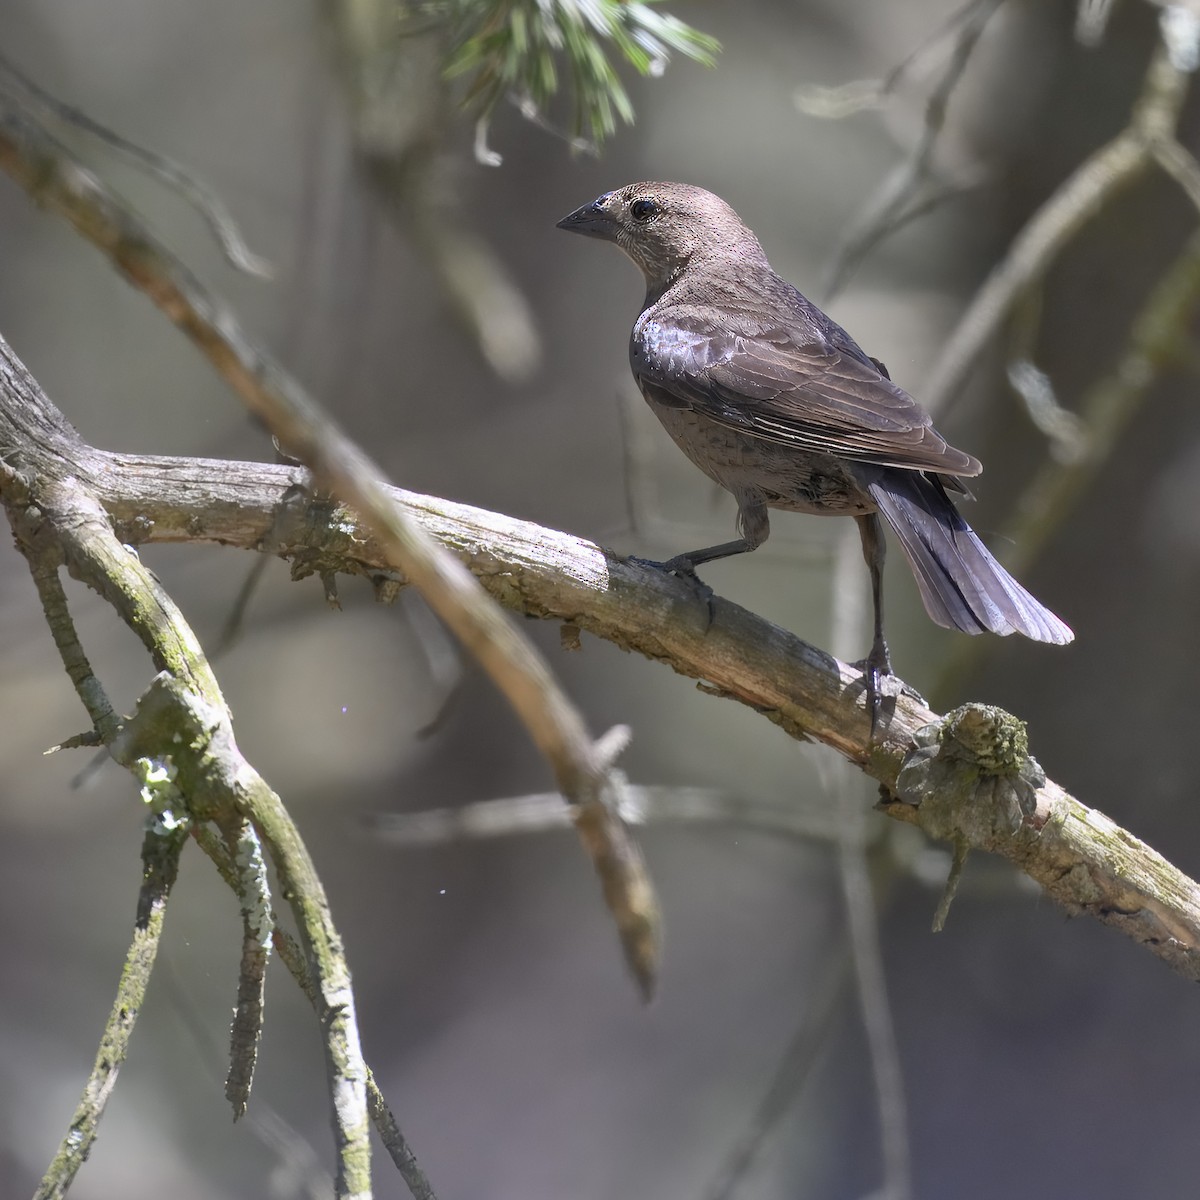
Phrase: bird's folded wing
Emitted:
{"points": [[792, 383]]}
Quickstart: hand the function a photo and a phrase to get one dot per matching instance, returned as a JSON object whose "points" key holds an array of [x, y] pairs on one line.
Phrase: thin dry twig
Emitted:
{"points": [[1148, 139], [1155, 339], [45, 561], [160, 852], [513, 816], [199, 195], [255, 896], [385, 1123], [824, 1003], [864, 944], [270, 1127], [907, 191], [866, 954], [49, 172], [834, 103], [160, 866], [950, 890], [194, 731], [1083, 443], [298, 1170], [231, 630]]}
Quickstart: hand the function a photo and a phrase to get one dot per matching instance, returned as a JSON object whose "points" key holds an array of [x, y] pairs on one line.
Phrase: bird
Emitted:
{"points": [[778, 404]]}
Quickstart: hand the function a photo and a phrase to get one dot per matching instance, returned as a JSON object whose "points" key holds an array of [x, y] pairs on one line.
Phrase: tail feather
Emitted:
{"points": [[962, 585]]}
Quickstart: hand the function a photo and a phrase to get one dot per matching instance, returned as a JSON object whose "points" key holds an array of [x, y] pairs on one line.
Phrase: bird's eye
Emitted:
{"points": [[643, 210]]}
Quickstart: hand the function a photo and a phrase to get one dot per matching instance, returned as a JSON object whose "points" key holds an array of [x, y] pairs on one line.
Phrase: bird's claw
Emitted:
{"points": [[872, 679], [682, 568], [875, 668], [878, 682]]}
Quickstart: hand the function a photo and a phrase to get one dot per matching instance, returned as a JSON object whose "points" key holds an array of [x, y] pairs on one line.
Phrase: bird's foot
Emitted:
{"points": [[875, 668], [878, 682], [682, 567]]}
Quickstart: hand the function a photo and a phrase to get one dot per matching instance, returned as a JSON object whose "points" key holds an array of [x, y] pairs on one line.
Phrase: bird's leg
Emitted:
{"points": [[878, 663], [754, 525], [683, 566], [686, 563]]}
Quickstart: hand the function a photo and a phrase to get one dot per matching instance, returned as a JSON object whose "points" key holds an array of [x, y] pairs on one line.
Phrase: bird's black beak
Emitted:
{"points": [[592, 220]]}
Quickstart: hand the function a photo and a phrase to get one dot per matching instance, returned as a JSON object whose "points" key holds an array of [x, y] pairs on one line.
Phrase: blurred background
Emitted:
{"points": [[480, 354]]}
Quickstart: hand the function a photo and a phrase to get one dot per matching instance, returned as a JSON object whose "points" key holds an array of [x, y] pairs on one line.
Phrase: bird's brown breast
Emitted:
{"points": [[795, 481]]}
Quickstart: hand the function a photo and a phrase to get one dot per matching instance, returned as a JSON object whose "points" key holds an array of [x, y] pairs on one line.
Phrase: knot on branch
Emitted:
{"points": [[971, 777], [993, 740], [170, 743]]}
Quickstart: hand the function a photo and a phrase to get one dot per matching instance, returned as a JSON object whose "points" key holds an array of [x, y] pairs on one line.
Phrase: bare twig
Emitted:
{"points": [[864, 945], [394, 1141], [825, 1000], [906, 189], [1062, 428], [640, 805], [271, 1128], [50, 173], [834, 103], [1075, 203], [957, 864], [381, 1115], [217, 780], [257, 921], [1148, 139], [866, 955], [44, 565], [925, 198], [1182, 167], [1155, 338], [202, 198], [298, 1169], [160, 865], [231, 630]]}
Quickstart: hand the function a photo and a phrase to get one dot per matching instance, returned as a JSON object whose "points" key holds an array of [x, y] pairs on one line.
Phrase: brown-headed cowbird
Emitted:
{"points": [[779, 405]]}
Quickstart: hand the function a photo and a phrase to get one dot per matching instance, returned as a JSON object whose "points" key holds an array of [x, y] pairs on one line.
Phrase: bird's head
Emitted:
{"points": [[664, 226]]}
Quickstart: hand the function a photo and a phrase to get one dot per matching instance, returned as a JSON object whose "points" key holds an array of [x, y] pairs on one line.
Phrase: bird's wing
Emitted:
{"points": [[801, 380]]}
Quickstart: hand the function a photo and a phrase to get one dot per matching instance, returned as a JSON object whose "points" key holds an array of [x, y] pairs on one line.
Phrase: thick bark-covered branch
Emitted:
{"points": [[181, 734], [583, 767], [988, 795]]}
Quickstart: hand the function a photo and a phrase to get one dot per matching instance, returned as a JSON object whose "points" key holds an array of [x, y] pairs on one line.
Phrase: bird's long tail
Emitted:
{"points": [[962, 585]]}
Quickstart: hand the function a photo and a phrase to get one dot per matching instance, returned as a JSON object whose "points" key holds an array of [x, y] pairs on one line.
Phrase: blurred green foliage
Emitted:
{"points": [[523, 48]]}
